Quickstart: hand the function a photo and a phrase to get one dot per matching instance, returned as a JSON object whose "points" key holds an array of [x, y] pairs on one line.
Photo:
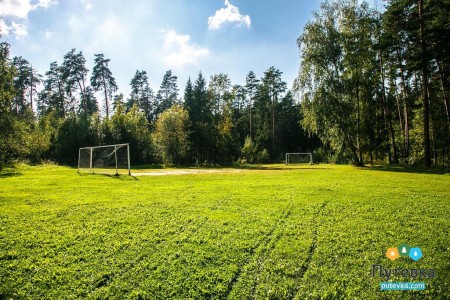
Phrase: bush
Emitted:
{"points": [[171, 136], [263, 156], [249, 151], [320, 155]]}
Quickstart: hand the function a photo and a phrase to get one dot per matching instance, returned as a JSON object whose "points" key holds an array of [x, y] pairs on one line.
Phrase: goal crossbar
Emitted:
{"points": [[114, 151], [304, 153], [106, 146]]}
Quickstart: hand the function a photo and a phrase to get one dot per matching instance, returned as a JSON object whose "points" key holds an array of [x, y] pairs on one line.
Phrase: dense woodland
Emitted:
{"points": [[373, 87]]}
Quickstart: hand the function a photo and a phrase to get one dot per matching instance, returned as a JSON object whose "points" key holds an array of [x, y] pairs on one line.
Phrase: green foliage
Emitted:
{"points": [[19, 138], [72, 134], [335, 83], [171, 136], [272, 232], [132, 128], [221, 114], [48, 126], [200, 109], [249, 151], [91, 106], [263, 156], [221, 95], [7, 73]]}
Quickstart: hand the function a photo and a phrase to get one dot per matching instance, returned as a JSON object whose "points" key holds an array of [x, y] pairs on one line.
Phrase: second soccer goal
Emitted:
{"points": [[299, 158]]}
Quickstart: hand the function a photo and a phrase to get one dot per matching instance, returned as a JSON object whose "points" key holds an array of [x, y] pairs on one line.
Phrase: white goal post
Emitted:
{"points": [[105, 159], [298, 158]]}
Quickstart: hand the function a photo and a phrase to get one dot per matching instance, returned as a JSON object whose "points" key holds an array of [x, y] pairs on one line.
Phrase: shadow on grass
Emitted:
{"points": [[409, 169], [10, 174], [120, 177]]}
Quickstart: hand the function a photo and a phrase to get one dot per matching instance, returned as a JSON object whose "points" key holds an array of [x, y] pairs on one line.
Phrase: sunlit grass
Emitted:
{"points": [[263, 232]]}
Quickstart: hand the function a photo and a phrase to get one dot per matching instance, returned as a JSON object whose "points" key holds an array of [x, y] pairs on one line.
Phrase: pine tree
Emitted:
{"points": [[52, 97], [102, 79], [7, 92], [251, 86], [275, 87], [167, 95], [74, 76], [25, 83], [142, 95]]}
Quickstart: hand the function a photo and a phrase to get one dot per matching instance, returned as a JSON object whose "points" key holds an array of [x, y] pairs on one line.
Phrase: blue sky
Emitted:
{"points": [[185, 36]]}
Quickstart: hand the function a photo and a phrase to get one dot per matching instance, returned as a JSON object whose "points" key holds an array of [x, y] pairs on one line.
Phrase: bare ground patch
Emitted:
{"points": [[184, 172]]}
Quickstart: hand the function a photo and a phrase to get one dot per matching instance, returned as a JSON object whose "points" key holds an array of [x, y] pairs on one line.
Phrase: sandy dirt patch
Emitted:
{"points": [[184, 172]]}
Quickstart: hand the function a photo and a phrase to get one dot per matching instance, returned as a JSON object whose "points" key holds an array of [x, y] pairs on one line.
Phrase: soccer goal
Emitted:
{"points": [[110, 159], [299, 158]]}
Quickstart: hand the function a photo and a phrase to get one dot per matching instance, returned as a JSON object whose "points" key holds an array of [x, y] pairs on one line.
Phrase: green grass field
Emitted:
{"points": [[270, 232]]}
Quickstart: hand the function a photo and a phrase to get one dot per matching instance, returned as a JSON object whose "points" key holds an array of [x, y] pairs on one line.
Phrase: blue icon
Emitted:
{"points": [[415, 254]]}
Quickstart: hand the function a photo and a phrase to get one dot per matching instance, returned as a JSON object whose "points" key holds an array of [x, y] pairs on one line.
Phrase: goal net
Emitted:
{"points": [[110, 159], [299, 158]]}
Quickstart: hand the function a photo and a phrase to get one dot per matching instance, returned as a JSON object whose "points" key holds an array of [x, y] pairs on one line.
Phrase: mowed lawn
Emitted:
{"points": [[271, 232]]}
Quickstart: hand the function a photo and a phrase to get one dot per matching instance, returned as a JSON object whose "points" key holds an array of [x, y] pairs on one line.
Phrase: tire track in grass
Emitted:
{"points": [[312, 248], [135, 264], [267, 249], [266, 245]]}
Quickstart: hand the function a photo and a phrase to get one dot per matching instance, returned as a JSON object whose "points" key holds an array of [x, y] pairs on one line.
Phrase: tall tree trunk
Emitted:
{"points": [[273, 126], [61, 98], [387, 115], [444, 92], [406, 137], [354, 151], [83, 98], [405, 109], [106, 98], [425, 98], [391, 134], [250, 107], [358, 134], [31, 92], [394, 145]]}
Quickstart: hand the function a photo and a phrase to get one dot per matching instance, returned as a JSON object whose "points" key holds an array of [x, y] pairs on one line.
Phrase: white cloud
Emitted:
{"points": [[179, 52], [16, 29], [230, 14], [19, 30], [15, 8], [48, 34], [87, 5], [21, 8], [45, 3], [4, 29]]}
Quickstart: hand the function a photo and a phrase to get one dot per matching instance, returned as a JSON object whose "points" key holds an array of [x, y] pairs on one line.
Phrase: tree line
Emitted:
{"points": [[375, 85], [50, 117], [372, 87]]}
